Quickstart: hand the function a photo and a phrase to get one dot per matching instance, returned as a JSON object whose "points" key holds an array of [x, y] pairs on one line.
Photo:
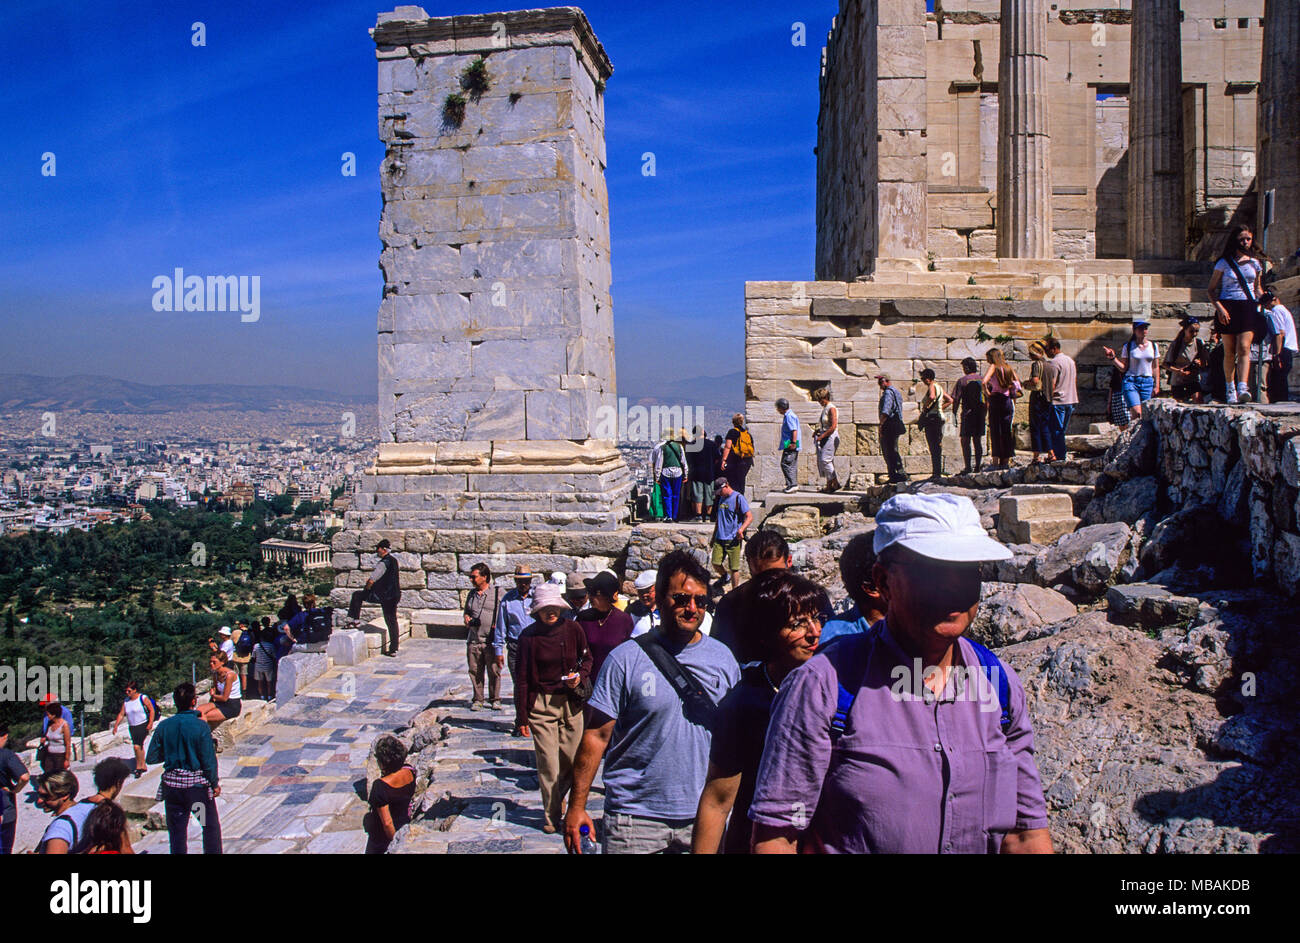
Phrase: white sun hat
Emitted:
{"points": [[939, 526]]}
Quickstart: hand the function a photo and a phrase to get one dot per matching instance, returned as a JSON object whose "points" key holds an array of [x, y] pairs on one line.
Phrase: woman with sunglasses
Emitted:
{"points": [[787, 618]]}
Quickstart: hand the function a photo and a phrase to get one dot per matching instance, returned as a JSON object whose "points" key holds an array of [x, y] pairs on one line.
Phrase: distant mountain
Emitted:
{"points": [[724, 394], [110, 395]]}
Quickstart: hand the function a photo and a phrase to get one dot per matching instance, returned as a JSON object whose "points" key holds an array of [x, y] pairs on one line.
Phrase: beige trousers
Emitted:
{"points": [[556, 724]]}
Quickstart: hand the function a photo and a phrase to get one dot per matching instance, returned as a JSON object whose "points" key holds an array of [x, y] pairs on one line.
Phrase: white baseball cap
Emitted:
{"points": [[646, 580], [939, 526]]}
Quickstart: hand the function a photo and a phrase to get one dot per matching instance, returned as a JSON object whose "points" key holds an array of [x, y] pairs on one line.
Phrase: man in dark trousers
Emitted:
{"points": [[183, 745], [383, 588]]}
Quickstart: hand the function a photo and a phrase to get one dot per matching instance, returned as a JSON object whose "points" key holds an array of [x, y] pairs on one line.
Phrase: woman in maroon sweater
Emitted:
{"points": [[554, 677], [605, 626]]}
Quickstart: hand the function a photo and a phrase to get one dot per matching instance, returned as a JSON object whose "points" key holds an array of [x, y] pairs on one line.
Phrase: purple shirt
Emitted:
{"points": [[882, 788]]}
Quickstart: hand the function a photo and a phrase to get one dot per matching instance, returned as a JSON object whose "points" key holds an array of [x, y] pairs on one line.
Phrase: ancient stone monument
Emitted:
{"points": [[997, 170], [496, 342]]}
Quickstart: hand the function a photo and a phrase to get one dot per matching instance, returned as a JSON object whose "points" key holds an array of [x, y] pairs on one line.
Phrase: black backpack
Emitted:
{"points": [[972, 396], [318, 626]]}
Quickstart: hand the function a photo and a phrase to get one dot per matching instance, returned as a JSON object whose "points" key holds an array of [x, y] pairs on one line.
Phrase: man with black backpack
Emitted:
{"points": [[383, 587], [652, 709], [311, 625], [908, 738]]}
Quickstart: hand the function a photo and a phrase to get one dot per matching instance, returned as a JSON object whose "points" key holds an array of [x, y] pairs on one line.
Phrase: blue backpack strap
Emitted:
{"points": [[855, 668], [997, 675]]}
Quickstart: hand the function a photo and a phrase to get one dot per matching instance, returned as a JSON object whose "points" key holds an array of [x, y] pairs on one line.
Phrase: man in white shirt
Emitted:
{"points": [[1284, 349]]}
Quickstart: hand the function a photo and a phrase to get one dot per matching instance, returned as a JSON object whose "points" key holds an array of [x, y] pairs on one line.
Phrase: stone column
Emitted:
{"points": [[1024, 211], [1157, 225], [496, 331], [1279, 128]]}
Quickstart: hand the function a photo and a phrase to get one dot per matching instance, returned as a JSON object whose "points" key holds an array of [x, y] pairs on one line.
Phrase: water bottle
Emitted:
{"points": [[586, 842]]}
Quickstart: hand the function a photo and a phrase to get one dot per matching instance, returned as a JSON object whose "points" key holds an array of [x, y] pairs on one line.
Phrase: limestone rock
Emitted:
{"points": [[1090, 559], [1011, 613], [296, 671], [1149, 606], [1127, 502], [795, 523]]}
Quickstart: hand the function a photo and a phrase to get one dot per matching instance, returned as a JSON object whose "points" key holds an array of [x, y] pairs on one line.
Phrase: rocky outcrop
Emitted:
{"points": [[1011, 612], [1138, 755]]}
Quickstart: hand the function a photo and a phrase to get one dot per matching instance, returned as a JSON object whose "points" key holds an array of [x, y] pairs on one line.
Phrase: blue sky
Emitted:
{"points": [[225, 159]]}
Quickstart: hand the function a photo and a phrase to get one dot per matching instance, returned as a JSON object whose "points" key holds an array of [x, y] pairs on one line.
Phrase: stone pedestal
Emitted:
{"points": [[1157, 225], [1024, 214], [496, 338], [1279, 130]]}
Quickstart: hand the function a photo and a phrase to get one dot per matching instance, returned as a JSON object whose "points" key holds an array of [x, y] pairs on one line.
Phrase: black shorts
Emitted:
{"points": [[229, 708], [973, 423], [138, 733], [1245, 317]]}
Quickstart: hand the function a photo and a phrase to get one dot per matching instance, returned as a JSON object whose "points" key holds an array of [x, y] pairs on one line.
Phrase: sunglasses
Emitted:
{"points": [[682, 600]]}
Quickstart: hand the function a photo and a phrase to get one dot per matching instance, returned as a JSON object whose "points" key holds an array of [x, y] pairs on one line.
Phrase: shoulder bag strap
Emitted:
{"points": [[683, 682], [1241, 279]]}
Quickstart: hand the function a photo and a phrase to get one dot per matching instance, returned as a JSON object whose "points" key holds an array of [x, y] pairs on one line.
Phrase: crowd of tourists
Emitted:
{"points": [[766, 722], [686, 467]]}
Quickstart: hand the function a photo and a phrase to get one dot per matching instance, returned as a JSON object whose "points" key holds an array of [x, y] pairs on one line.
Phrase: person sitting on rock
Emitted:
{"points": [[226, 698], [864, 756], [390, 796]]}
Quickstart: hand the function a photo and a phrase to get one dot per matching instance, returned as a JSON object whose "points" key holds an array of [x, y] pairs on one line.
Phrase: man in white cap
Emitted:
{"points": [[644, 604], [226, 644], [908, 738]]}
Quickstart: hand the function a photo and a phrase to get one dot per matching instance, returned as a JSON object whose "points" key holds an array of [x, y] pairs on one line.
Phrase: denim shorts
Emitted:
{"points": [[1137, 390]]}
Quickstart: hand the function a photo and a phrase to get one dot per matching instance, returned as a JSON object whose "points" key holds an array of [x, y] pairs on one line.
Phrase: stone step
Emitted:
{"points": [[1037, 531], [1022, 508]]}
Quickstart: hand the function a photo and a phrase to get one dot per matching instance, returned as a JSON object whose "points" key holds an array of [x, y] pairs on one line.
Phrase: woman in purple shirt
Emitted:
{"points": [[916, 757]]}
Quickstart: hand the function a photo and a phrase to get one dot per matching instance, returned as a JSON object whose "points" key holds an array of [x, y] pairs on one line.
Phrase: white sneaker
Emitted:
{"points": [[1243, 393], [1232, 397]]}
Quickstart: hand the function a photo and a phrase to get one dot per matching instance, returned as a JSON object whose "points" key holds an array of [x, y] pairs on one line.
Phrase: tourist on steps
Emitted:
{"points": [[13, 776], [733, 617], [737, 453], [605, 626], [701, 470], [970, 409], [669, 469], [1137, 361], [1234, 291], [891, 427], [656, 733], [513, 616], [481, 607], [827, 438], [1062, 376], [183, 744], [56, 741], [933, 403], [384, 588], [787, 623], [140, 716], [554, 684], [863, 755], [67, 833], [1040, 405], [1282, 350], [390, 796], [1002, 388], [734, 517], [791, 444]]}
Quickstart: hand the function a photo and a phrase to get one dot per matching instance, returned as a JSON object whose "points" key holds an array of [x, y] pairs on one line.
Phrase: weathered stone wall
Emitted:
{"points": [[846, 145], [1088, 55], [1243, 466], [435, 564], [799, 336]]}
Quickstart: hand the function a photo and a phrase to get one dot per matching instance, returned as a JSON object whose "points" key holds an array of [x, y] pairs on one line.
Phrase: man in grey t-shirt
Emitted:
{"points": [[1062, 375], [658, 756]]}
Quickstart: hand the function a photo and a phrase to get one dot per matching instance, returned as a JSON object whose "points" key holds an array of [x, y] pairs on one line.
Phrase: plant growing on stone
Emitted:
{"points": [[453, 110], [600, 86], [981, 334], [970, 280], [474, 78]]}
